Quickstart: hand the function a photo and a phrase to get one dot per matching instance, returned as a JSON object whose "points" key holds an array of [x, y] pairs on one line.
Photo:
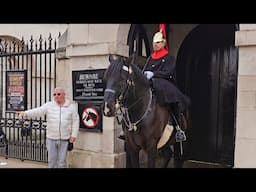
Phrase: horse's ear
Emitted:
{"points": [[131, 59], [112, 58]]}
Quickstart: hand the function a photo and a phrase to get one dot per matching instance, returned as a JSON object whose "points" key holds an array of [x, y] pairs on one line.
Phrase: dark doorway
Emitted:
{"points": [[138, 44], [207, 72]]}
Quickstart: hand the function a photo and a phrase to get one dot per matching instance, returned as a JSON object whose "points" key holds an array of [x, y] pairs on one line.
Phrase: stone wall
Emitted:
{"points": [[87, 46], [245, 154]]}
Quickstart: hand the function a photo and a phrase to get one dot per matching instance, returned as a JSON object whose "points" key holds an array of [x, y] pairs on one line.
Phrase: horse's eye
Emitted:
{"points": [[124, 75]]}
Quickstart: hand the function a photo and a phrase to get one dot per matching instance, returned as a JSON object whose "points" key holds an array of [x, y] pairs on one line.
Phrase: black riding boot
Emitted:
{"points": [[180, 134], [177, 114]]}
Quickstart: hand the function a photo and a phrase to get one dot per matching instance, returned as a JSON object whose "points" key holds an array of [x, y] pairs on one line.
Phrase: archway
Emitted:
{"points": [[207, 71]]}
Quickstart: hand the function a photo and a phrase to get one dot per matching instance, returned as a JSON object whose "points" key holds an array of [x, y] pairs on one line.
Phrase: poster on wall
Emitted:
{"points": [[16, 90]]}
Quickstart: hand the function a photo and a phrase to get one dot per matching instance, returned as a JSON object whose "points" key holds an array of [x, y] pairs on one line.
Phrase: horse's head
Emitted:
{"points": [[117, 78]]}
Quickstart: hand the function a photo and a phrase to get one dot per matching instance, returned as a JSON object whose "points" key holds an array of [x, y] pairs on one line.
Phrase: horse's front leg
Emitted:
{"points": [[152, 154], [165, 154], [132, 156]]}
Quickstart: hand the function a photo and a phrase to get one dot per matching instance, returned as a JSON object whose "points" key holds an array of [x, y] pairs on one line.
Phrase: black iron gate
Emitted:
{"points": [[25, 139]]}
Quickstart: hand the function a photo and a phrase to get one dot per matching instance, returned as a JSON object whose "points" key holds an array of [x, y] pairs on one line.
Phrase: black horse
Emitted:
{"points": [[128, 96]]}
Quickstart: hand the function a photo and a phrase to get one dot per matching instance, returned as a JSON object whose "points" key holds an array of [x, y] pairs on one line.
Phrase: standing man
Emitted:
{"points": [[62, 126]]}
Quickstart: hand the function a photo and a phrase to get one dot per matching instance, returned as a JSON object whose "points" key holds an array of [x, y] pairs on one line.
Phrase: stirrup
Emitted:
{"points": [[180, 135]]}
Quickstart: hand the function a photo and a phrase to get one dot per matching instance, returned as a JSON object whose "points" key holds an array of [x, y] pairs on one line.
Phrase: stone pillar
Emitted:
{"points": [[245, 143], [87, 46]]}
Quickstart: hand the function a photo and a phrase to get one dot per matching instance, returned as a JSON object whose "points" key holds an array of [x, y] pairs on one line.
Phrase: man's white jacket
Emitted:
{"points": [[62, 121]]}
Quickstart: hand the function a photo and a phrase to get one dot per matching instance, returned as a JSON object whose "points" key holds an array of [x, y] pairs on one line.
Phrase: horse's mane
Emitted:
{"points": [[139, 76]]}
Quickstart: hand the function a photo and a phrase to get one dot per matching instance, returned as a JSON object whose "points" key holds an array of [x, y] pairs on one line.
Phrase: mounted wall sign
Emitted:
{"points": [[88, 91], [16, 90], [90, 116], [88, 84]]}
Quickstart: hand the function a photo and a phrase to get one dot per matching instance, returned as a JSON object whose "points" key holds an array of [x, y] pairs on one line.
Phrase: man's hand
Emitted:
{"points": [[72, 139], [148, 74], [21, 114]]}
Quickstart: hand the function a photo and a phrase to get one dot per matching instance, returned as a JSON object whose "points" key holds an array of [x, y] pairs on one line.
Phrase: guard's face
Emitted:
{"points": [[158, 45]]}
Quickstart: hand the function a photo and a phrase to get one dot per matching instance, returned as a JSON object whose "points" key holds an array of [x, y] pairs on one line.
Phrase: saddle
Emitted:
{"points": [[165, 136], [179, 136]]}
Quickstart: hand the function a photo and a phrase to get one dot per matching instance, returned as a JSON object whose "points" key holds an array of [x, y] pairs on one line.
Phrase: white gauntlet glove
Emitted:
{"points": [[148, 74]]}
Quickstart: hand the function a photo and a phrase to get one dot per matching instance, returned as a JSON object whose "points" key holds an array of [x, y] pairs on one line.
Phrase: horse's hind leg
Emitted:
{"points": [[165, 155], [178, 159]]}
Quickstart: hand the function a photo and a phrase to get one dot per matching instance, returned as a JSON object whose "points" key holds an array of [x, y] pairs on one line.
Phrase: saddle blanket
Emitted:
{"points": [[165, 136]]}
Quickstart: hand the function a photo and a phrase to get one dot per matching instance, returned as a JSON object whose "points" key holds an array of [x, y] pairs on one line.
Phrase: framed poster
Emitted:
{"points": [[16, 90]]}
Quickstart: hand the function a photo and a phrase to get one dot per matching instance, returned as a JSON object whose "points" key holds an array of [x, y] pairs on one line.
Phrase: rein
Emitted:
{"points": [[125, 113], [122, 112]]}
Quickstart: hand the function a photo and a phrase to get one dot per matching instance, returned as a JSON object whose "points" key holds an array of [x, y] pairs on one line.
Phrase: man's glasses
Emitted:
{"points": [[54, 94]]}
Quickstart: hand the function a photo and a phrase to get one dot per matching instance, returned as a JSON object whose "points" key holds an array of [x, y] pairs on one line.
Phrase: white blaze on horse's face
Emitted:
{"points": [[106, 109], [125, 68]]}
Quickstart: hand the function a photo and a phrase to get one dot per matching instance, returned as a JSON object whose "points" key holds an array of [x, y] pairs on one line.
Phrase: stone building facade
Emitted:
{"points": [[87, 46]]}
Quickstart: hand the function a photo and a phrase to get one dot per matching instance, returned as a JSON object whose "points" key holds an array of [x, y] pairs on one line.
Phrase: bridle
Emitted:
{"points": [[122, 111]]}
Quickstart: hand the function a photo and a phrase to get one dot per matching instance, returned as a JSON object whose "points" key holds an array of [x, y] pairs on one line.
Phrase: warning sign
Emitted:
{"points": [[88, 85], [90, 116]]}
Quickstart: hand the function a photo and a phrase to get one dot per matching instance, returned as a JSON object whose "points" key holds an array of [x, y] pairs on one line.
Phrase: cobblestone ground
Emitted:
{"points": [[187, 164], [17, 163]]}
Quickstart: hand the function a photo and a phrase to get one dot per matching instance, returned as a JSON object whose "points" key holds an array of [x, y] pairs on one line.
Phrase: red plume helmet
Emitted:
{"points": [[162, 30]]}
